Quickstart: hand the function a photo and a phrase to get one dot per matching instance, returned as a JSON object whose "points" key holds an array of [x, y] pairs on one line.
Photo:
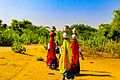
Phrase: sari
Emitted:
{"points": [[66, 60], [75, 57], [52, 61]]}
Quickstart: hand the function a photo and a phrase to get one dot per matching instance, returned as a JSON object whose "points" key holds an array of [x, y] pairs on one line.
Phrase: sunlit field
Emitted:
{"points": [[15, 66]]}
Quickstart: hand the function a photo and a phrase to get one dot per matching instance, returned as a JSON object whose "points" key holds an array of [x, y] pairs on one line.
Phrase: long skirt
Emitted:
{"points": [[76, 69], [69, 74], [72, 72], [53, 63]]}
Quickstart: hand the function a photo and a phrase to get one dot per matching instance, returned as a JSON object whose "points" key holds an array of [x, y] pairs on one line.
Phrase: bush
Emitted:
{"points": [[18, 49], [40, 59], [8, 37]]}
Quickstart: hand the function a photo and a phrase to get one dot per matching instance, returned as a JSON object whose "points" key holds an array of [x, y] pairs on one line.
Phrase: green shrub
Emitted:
{"points": [[18, 49], [8, 37], [40, 59]]}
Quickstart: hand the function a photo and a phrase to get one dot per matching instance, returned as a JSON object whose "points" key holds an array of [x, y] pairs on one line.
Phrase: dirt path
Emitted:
{"points": [[15, 66]]}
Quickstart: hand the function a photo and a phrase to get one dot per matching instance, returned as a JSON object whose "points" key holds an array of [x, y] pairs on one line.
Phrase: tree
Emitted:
{"points": [[84, 31], [0, 22], [115, 31], [104, 30]]}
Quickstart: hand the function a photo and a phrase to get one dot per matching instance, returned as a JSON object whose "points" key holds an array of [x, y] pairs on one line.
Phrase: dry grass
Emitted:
{"points": [[26, 67]]}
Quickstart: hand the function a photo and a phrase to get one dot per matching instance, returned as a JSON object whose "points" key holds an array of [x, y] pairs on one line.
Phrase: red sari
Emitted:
{"points": [[75, 56], [51, 56]]}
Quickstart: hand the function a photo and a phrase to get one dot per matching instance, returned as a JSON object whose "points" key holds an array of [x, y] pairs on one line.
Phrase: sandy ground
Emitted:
{"points": [[14, 66]]}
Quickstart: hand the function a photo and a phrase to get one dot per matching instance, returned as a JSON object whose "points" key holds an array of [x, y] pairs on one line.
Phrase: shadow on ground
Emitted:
{"points": [[94, 71], [98, 75]]}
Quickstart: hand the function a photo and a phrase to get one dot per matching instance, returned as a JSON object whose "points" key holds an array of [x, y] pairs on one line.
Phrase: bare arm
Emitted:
{"points": [[59, 56], [82, 55], [60, 53]]}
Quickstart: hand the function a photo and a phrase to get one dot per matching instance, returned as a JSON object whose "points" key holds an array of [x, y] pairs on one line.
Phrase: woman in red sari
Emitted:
{"points": [[52, 60], [75, 54]]}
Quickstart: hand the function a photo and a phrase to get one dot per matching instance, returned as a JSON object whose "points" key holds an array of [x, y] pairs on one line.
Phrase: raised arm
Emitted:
{"points": [[81, 53]]}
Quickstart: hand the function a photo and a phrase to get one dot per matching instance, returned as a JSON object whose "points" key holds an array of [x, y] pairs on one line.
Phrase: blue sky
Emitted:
{"points": [[59, 12]]}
